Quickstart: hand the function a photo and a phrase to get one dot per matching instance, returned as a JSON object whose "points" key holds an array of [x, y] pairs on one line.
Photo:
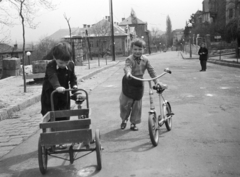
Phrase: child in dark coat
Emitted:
{"points": [[59, 76]]}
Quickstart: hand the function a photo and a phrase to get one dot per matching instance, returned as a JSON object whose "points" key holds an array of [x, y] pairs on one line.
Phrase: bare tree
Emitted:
{"points": [[4, 22], [70, 34], [42, 51], [102, 29], [26, 9], [169, 31]]}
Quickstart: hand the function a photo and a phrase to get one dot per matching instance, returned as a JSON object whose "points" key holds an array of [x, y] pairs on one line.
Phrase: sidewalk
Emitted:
{"points": [[14, 99], [231, 62]]}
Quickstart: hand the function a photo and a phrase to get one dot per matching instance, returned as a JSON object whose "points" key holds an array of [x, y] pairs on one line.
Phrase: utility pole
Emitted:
{"points": [[238, 27], [112, 30], [190, 43]]}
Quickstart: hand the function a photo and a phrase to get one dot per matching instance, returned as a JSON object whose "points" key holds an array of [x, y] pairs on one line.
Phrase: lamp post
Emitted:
{"points": [[28, 55], [190, 36]]}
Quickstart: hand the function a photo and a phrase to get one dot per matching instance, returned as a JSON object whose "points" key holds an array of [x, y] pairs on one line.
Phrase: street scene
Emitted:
{"points": [[204, 139], [133, 89]]}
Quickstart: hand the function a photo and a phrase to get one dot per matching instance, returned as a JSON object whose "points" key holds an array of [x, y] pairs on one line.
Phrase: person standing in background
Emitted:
{"points": [[203, 56]]}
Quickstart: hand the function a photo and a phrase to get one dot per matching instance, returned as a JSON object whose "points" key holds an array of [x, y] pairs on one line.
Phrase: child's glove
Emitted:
{"points": [[60, 89], [75, 87]]}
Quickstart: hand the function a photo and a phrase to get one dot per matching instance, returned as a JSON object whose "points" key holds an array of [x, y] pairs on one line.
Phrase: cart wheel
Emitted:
{"points": [[42, 158], [98, 150], [168, 122], [71, 154], [153, 129]]}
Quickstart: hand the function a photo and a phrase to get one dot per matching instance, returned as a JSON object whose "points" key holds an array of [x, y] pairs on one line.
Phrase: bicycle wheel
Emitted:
{"points": [[153, 129], [42, 158], [168, 122], [98, 149]]}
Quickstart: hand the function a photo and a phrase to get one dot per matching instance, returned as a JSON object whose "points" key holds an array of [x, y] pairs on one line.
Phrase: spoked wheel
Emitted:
{"points": [[42, 158], [168, 122], [98, 150], [153, 129]]}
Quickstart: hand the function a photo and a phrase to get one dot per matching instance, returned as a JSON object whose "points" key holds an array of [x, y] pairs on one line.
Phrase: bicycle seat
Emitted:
{"points": [[160, 89]]}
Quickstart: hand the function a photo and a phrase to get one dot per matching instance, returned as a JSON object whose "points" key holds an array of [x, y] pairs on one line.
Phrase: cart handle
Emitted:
{"points": [[166, 70], [69, 90]]}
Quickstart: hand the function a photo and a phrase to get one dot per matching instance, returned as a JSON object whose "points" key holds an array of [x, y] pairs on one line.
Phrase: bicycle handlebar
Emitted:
{"points": [[166, 70]]}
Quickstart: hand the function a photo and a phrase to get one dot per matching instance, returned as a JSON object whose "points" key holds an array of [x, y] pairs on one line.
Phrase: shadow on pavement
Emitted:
{"points": [[27, 166]]}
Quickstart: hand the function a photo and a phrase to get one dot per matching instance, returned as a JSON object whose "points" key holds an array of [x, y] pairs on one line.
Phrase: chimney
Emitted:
{"points": [[108, 18], [123, 19]]}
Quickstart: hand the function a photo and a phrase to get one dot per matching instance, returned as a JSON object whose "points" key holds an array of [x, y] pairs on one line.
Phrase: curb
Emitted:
{"points": [[218, 62], [6, 113]]}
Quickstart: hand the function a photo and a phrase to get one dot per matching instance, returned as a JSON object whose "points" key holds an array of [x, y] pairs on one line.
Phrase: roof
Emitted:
{"points": [[5, 48], [131, 20], [103, 28], [58, 35]]}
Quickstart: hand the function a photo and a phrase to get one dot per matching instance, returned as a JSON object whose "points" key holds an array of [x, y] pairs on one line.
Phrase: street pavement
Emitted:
{"points": [[14, 129], [212, 96]]}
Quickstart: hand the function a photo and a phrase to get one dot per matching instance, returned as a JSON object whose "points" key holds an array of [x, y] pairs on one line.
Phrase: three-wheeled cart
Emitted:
{"points": [[76, 134]]}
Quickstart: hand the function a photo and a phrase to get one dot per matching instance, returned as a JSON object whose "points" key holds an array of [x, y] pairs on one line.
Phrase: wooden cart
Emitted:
{"points": [[76, 134]]}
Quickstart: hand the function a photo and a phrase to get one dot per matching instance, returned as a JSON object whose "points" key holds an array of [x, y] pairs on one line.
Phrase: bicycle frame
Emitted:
{"points": [[161, 99]]}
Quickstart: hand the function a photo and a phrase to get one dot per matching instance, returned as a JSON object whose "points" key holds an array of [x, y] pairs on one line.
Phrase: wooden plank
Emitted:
{"points": [[35, 76], [69, 113], [71, 136], [46, 117], [67, 125]]}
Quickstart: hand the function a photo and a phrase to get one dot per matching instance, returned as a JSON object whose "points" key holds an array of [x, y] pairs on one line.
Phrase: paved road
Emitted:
{"points": [[204, 140]]}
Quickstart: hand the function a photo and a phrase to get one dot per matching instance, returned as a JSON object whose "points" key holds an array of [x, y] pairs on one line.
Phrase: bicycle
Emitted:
{"points": [[165, 117]]}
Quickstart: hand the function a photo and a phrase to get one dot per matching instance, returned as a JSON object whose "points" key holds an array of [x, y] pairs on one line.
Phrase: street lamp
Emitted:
{"points": [[28, 54]]}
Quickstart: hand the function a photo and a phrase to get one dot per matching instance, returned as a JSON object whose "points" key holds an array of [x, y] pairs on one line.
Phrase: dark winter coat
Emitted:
{"points": [[57, 77], [203, 53]]}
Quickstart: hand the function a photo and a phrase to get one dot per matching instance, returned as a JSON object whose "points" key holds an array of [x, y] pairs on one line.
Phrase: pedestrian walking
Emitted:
{"points": [[59, 76], [203, 56], [132, 90]]}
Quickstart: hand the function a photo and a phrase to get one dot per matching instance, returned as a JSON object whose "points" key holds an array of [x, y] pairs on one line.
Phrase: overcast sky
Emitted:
{"points": [[154, 12]]}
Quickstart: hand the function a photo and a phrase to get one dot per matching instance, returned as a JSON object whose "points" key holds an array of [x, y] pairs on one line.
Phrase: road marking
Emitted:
{"points": [[190, 96], [86, 172], [224, 87], [108, 86], [209, 94]]}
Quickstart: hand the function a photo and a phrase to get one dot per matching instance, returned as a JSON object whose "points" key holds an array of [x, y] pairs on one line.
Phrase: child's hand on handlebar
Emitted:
{"points": [[60, 89], [128, 75], [75, 87]]}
